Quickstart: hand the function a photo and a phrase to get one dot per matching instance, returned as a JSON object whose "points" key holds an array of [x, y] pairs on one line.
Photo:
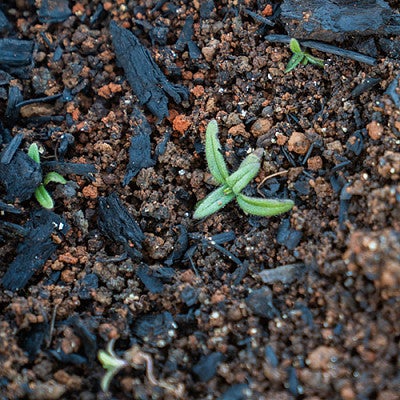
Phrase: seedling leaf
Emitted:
{"points": [[247, 170], [43, 197], [54, 177], [33, 152], [215, 159], [315, 60], [296, 59], [295, 46], [213, 202], [263, 207]]}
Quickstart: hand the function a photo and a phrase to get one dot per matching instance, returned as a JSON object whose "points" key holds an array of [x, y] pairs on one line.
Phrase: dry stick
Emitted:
{"points": [[324, 47], [269, 177]]}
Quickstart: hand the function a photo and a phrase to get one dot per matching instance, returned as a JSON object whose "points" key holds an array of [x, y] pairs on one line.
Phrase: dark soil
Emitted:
{"points": [[325, 326]]}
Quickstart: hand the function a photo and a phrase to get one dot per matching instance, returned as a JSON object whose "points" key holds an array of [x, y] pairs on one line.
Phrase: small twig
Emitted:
{"points": [[269, 177]]}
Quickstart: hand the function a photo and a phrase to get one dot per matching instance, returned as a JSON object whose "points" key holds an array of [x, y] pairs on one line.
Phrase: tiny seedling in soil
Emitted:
{"points": [[300, 56], [233, 184], [41, 194]]}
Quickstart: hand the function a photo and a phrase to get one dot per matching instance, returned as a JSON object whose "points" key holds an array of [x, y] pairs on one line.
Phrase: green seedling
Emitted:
{"points": [[233, 184], [301, 57], [41, 194]]}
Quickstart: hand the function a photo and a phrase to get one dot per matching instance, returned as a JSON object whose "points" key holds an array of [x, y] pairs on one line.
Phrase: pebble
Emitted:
{"points": [[298, 143]]}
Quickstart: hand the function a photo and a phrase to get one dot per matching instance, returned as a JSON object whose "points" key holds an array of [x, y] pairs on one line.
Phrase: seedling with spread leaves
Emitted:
{"points": [[300, 56], [41, 194], [233, 184]]}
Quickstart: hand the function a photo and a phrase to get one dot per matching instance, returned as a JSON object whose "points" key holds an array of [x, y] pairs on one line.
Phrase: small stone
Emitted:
{"points": [[321, 357], [298, 143], [375, 130], [314, 163], [261, 126]]}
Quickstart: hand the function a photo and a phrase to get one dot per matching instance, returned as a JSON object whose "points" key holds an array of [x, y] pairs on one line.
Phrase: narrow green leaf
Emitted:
{"points": [[54, 177], [215, 159], [295, 46], [43, 197], [213, 202], [247, 170], [33, 152], [263, 207], [304, 61], [315, 60], [294, 62]]}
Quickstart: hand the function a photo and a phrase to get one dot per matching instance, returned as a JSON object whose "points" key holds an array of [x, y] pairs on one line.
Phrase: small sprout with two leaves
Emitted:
{"points": [[300, 56], [41, 194], [233, 184]]}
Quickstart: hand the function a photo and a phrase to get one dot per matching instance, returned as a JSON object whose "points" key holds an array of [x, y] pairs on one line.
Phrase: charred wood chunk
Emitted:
{"points": [[116, 223], [206, 368], [54, 11], [329, 20], [36, 248], [153, 284], [65, 168], [185, 39], [155, 329], [20, 176], [148, 82], [140, 148], [4, 23], [16, 56], [236, 392]]}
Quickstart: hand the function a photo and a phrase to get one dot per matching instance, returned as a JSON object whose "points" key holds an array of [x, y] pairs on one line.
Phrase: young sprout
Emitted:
{"points": [[300, 56], [41, 194], [233, 184]]}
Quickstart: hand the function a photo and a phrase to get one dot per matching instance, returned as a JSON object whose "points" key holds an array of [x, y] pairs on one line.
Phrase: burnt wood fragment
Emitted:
{"points": [[36, 248], [8, 153], [260, 303], [140, 148], [331, 20], [155, 329], [236, 392], [54, 11], [206, 368], [64, 168], [288, 236], [89, 340], [16, 56], [152, 283], [116, 223], [185, 39], [20, 176], [31, 340], [5, 25], [148, 82], [180, 247]]}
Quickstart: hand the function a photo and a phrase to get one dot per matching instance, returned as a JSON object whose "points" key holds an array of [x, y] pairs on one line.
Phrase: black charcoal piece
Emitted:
{"points": [[148, 82], [355, 143], [9, 208], [161, 148], [155, 329], [65, 168], [63, 358], [5, 25], [392, 91], [260, 303], [153, 284], [331, 20], [159, 35], [32, 339], [16, 57], [364, 86], [140, 148], [285, 274], [287, 236], [54, 11], [115, 222], [271, 356], [185, 39], [206, 8], [190, 296], [37, 246], [5, 78], [66, 140], [12, 110], [20, 177], [391, 47], [206, 368], [88, 338], [87, 285], [180, 247], [8, 153], [236, 392], [306, 314]]}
